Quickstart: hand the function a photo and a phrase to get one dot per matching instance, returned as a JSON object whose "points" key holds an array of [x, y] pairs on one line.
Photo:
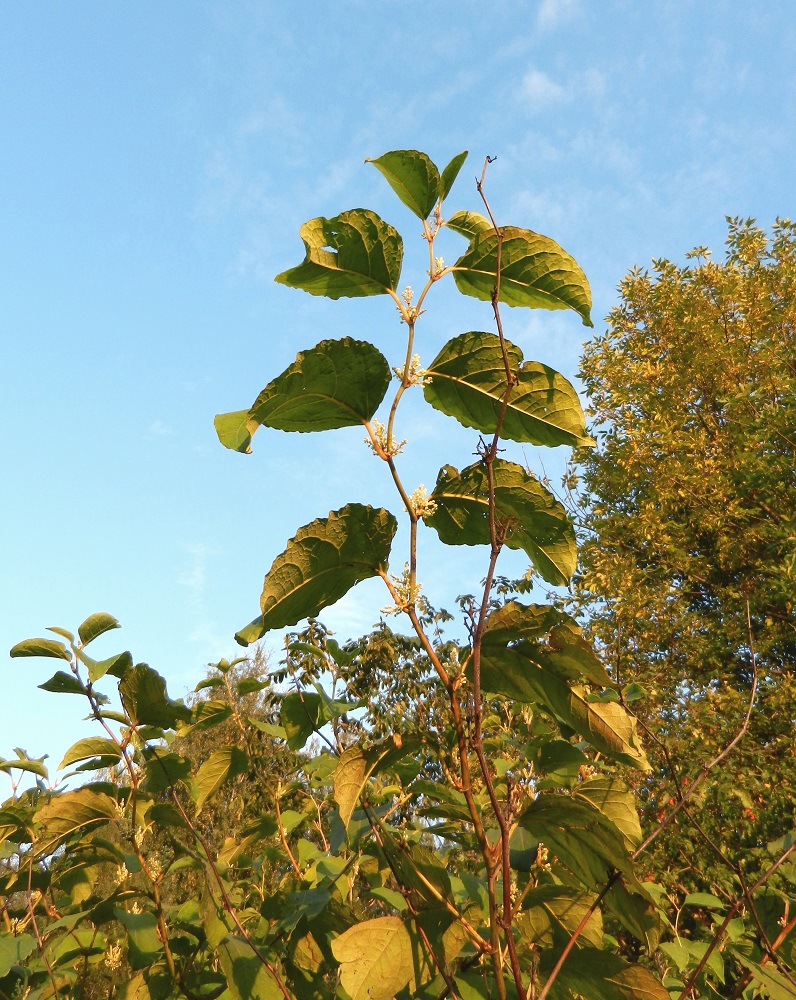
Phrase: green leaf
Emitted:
{"points": [[551, 913], [164, 770], [578, 835], [235, 430], [413, 177], [93, 746], [321, 564], [64, 632], [357, 765], [25, 763], [227, 762], [206, 715], [375, 958], [615, 801], [41, 647], [249, 685], [143, 694], [467, 380], [300, 715], [247, 977], [95, 625], [63, 683], [450, 173], [550, 637], [352, 255], [469, 224], [775, 984], [706, 899], [535, 271], [536, 522], [337, 383], [143, 944], [608, 726], [14, 951], [115, 665], [66, 813], [601, 975]]}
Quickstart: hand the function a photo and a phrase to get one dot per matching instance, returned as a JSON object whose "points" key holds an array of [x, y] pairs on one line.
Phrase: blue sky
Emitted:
{"points": [[157, 162]]}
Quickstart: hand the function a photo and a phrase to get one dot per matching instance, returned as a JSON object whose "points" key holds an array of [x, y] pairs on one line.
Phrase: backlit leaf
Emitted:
{"points": [[321, 564], [93, 746], [535, 271], [354, 254], [41, 647], [356, 765], [247, 977], [235, 430], [227, 762], [337, 383], [66, 813], [413, 177], [95, 625], [375, 958], [143, 694], [450, 173], [537, 523], [615, 801], [467, 380]]}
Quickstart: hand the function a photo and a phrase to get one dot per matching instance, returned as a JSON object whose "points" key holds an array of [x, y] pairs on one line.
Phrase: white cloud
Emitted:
{"points": [[553, 13], [540, 90]]}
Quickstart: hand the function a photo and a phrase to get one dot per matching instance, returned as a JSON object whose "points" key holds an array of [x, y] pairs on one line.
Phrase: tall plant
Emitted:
{"points": [[469, 853]]}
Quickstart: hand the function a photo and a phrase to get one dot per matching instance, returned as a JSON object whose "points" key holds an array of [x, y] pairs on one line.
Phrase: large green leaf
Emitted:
{"points": [[615, 801], [450, 173], [321, 564], [600, 975], [375, 958], [356, 765], [534, 270], [338, 383], [64, 683], [143, 944], [578, 835], [513, 672], [41, 647], [354, 254], [143, 694], [93, 746], [551, 913], [538, 523], [247, 977], [14, 950], [552, 638], [467, 380], [64, 814], [222, 764]]}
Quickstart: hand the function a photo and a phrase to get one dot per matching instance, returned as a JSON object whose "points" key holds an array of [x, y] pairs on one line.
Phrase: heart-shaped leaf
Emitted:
{"points": [[467, 380], [533, 519], [321, 564], [534, 270]]}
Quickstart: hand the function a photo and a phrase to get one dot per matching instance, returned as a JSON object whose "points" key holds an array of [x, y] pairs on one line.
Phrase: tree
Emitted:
{"points": [[687, 572], [470, 851]]}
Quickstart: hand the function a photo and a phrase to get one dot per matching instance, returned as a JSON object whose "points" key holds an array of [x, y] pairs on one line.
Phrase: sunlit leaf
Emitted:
{"points": [[413, 177], [450, 173], [14, 950], [467, 380], [63, 683], [235, 430], [375, 958], [96, 625], [357, 765], [246, 975], [354, 254], [534, 520], [93, 746], [222, 764], [534, 270], [321, 564], [143, 944], [41, 647], [337, 383], [71, 811], [143, 694], [615, 800]]}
